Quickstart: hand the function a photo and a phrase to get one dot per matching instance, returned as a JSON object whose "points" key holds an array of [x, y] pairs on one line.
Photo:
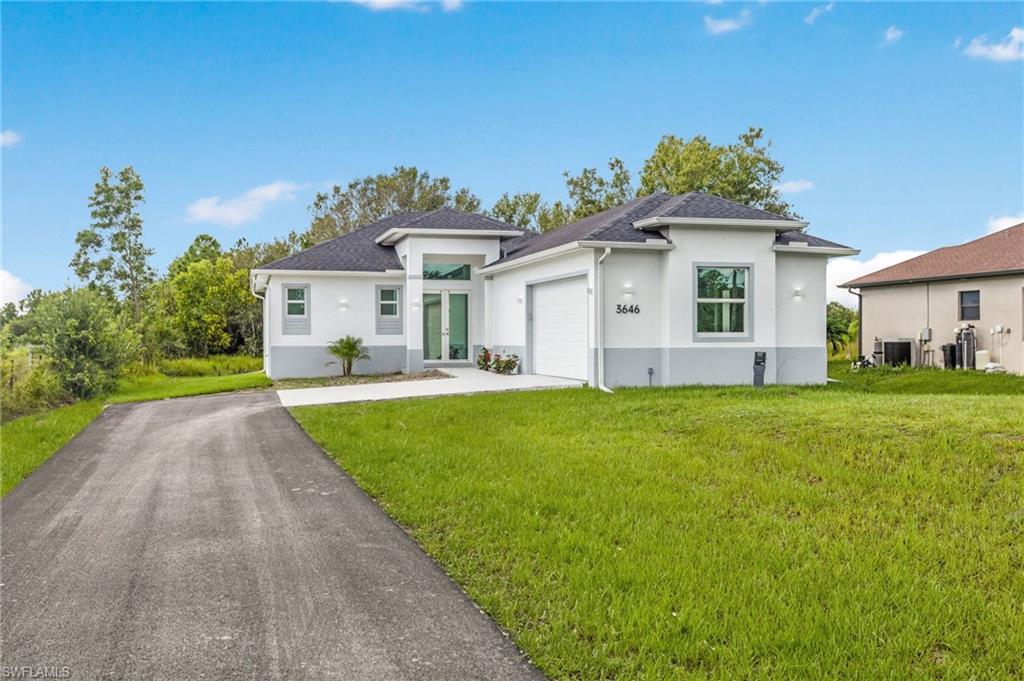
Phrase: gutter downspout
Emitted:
{"points": [[263, 314], [600, 323], [860, 323]]}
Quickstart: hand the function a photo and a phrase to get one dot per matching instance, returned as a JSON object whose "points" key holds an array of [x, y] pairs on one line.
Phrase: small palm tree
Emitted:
{"points": [[348, 350]]}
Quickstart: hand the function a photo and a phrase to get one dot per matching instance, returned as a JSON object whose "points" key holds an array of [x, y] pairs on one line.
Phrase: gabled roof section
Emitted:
{"points": [[998, 253], [701, 208], [448, 220], [357, 251]]}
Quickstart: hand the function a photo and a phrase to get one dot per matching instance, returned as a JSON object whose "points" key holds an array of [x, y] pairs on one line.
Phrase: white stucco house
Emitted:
{"points": [[663, 290]]}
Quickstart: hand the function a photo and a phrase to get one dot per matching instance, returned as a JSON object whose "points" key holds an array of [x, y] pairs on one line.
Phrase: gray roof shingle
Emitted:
{"points": [[700, 205], [795, 236]]}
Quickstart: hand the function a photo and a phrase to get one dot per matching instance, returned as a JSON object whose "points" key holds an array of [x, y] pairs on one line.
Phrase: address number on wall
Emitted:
{"points": [[627, 309]]}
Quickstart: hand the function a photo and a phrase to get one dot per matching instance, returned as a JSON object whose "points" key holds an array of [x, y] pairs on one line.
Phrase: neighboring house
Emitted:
{"points": [[925, 299], [663, 290]]}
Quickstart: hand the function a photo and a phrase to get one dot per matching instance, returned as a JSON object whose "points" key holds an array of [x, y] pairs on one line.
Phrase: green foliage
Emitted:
{"points": [[247, 256], [744, 171], [203, 247], [371, 198], [214, 365], [905, 380], [589, 193], [202, 302], [348, 350], [838, 320], [111, 256], [725, 533], [26, 389], [85, 342]]}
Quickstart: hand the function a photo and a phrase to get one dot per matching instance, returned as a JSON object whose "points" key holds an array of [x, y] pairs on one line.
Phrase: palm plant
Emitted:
{"points": [[348, 350]]}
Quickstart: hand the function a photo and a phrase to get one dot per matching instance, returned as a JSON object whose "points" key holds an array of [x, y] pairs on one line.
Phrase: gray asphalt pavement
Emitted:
{"points": [[210, 538]]}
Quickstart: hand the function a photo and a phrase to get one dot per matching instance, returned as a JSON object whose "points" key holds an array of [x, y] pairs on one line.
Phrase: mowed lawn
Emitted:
{"points": [[717, 533]]}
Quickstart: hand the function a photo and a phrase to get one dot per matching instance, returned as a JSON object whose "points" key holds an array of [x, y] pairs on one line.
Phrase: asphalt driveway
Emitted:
{"points": [[210, 538]]}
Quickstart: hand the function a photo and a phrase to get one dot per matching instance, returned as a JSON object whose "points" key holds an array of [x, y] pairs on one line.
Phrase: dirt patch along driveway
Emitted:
{"points": [[211, 537]]}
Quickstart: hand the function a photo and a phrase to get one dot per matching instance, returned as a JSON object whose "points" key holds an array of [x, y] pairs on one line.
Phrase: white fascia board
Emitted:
{"points": [[649, 245], [396, 234], [816, 250], [330, 273], [533, 257], [783, 225]]}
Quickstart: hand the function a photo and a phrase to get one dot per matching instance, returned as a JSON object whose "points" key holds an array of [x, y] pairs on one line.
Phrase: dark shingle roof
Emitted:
{"points": [[997, 253], [356, 251], [700, 205], [796, 236]]}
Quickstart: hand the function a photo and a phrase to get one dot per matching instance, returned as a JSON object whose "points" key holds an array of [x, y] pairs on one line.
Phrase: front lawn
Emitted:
{"points": [[906, 380], [725, 533], [28, 441]]}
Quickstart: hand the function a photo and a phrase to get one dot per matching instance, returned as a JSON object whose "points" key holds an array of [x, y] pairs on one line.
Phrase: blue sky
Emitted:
{"points": [[901, 125]]}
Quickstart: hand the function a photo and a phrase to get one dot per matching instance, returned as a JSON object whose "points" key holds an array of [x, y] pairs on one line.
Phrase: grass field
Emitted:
{"points": [[28, 441], [834, 532]]}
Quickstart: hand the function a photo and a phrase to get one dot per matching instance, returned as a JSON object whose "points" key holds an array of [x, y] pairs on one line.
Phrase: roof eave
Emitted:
{"points": [[921, 280], [816, 250], [348, 273], [777, 225], [396, 234]]}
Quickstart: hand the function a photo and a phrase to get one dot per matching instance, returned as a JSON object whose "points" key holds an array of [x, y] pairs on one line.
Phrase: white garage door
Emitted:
{"points": [[560, 328]]}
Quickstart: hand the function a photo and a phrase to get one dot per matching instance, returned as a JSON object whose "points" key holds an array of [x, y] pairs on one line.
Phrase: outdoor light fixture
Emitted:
{"points": [[798, 293], [627, 289], [343, 304], [519, 299]]}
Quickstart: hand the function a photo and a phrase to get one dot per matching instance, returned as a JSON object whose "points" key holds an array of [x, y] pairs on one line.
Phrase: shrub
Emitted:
{"points": [[86, 344], [33, 390], [483, 360], [348, 350], [496, 362]]}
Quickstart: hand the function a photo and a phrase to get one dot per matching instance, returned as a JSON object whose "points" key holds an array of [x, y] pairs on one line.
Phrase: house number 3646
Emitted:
{"points": [[627, 309]]}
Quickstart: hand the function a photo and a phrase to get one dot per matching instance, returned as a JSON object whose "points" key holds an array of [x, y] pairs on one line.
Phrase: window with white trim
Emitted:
{"points": [[722, 305], [387, 302], [970, 305], [295, 301]]}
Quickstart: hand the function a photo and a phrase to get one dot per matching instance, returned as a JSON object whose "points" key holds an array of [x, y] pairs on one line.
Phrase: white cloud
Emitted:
{"points": [[409, 5], [241, 209], [719, 26], [892, 34], [8, 138], [958, 42], [1010, 49], [842, 270], [1002, 222], [794, 186], [817, 12], [12, 289]]}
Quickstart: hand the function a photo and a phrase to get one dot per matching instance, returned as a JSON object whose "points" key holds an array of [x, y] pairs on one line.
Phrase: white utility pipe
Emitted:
{"points": [[600, 322]]}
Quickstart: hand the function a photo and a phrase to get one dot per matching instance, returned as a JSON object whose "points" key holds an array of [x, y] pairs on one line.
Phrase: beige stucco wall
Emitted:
{"points": [[901, 311]]}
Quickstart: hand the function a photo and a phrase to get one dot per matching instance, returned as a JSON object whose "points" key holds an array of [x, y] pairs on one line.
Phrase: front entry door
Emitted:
{"points": [[445, 326]]}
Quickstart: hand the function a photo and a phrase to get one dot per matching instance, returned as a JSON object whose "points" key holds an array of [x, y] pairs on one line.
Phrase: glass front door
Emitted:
{"points": [[446, 326]]}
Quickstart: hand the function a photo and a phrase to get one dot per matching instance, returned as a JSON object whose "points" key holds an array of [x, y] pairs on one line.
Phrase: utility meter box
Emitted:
{"points": [[760, 359]]}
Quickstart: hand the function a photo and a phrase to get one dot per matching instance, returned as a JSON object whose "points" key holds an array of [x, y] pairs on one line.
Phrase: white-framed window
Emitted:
{"points": [[722, 304], [970, 305], [387, 302], [295, 303]]}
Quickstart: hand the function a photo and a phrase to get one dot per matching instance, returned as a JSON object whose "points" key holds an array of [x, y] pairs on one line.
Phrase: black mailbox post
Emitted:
{"points": [[759, 361]]}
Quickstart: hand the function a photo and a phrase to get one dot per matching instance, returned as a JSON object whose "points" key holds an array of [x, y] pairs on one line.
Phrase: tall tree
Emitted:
{"points": [[371, 198], [743, 171], [203, 247], [111, 255], [589, 193], [526, 211]]}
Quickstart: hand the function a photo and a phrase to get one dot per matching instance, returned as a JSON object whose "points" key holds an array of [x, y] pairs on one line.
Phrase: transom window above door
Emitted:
{"points": [[446, 271], [722, 303]]}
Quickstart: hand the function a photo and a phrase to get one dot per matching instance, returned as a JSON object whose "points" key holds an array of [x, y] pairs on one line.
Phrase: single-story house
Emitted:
{"points": [[663, 290], [924, 301]]}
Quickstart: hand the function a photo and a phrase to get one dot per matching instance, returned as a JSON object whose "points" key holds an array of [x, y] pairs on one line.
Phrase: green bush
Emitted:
{"points": [[348, 350], [85, 342], [33, 390], [214, 365]]}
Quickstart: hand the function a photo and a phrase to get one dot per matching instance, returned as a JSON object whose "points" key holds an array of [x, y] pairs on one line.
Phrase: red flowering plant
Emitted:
{"points": [[483, 360]]}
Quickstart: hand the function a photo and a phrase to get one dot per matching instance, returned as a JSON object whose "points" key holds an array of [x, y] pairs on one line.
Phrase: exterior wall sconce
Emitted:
{"points": [[342, 304], [627, 289], [798, 293], [519, 299]]}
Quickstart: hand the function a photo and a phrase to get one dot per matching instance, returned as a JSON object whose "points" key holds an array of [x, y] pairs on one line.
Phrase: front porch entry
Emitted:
{"points": [[446, 327]]}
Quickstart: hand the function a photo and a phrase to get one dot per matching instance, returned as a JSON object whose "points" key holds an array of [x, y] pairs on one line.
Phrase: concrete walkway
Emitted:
{"points": [[464, 380], [210, 538]]}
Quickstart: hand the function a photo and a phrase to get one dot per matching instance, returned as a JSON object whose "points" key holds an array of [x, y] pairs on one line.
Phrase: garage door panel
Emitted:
{"points": [[560, 320]]}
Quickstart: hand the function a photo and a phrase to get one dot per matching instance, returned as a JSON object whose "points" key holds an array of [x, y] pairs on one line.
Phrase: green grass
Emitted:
{"points": [[214, 365], [28, 441], [907, 381], [717, 533]]}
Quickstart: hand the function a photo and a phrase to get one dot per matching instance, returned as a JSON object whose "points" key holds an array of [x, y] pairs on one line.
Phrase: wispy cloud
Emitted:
{"points": [[842, 270], [12, 289], [241, 209], [817, 12], [892, 35], [8, 138], [794, 186], [1002, 222], [409, 5], [1011, 48], [719, 26]]}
